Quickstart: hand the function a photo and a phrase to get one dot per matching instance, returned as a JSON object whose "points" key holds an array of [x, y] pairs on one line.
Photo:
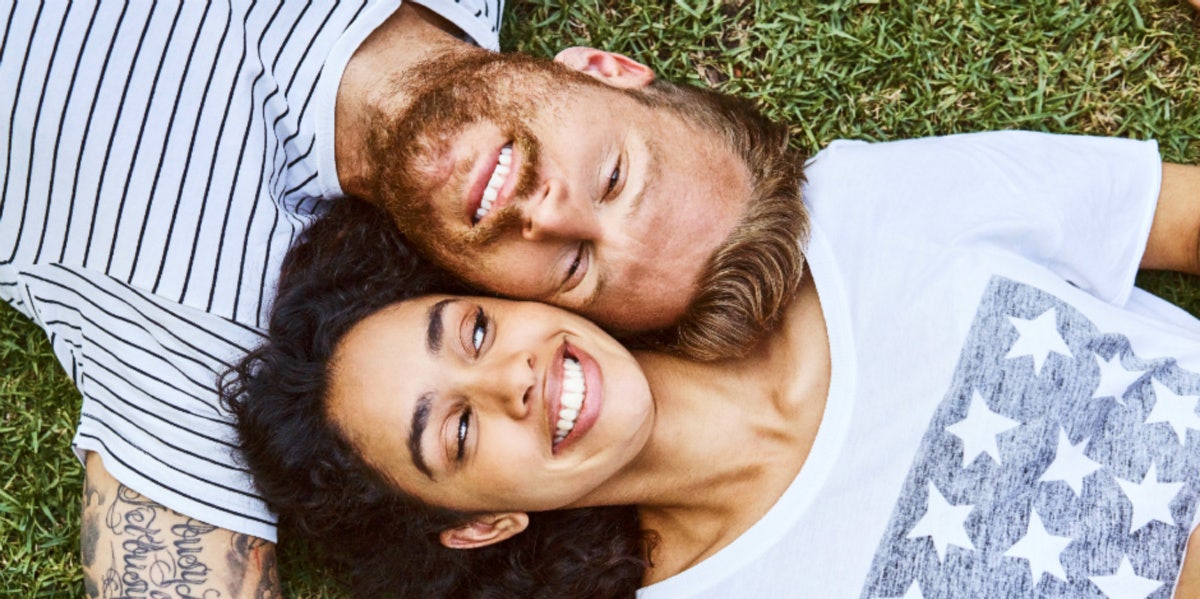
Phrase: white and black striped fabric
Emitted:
{"points": [[158, 159]]}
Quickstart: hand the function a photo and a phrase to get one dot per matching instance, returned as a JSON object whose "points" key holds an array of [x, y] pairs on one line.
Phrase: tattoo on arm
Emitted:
{"points": [[133, 547]]}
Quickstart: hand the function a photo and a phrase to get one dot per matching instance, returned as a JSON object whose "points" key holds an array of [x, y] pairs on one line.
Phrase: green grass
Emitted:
{"points": [[843, 69]]}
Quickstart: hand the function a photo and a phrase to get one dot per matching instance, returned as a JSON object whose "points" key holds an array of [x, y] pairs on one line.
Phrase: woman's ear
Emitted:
{"points": [[485, 530], [614, 69]]}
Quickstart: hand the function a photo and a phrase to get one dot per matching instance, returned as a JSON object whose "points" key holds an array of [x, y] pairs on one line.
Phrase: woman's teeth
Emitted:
{"points": [[495, 183], [572, 398]]}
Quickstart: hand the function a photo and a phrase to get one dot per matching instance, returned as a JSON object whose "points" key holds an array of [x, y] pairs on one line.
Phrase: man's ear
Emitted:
{"points": [[485, 530], [614, 69]]}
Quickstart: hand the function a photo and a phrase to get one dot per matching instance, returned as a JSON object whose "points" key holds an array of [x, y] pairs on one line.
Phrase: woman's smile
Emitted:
{"points": [[483, 404], [576, 396]]}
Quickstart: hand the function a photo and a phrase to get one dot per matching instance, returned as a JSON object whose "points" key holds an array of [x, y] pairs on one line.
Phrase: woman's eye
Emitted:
{"points": [[479, 332], [464, 426]]}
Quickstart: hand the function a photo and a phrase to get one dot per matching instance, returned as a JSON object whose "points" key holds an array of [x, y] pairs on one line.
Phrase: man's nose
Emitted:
{"points": [[508, 384], [553, 212]]}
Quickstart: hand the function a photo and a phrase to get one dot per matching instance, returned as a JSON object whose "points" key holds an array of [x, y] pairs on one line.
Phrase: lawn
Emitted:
{"points": [[862, 69]]}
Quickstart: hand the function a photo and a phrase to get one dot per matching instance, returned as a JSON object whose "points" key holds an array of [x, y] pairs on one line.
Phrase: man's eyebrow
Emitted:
{"points": [[433, 332], [420, 418], [597, 291], [653, 160]]}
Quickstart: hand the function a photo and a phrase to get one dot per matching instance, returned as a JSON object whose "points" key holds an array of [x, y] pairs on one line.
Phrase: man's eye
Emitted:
{"points": [[464, 427], [614, 178], [479, 332], [575, 263]]}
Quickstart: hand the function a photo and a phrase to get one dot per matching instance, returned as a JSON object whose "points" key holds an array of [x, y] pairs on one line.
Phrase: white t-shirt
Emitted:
{"points": [[1007, 416], [159, 159]]}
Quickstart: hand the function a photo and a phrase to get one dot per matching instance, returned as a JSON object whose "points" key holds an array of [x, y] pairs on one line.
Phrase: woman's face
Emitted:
{"points": [[480, 404]]}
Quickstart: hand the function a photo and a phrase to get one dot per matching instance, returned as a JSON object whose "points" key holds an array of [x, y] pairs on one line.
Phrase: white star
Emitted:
{"points": [[1039, 337], [913, 592], [1071, 465], [1177, 410], [1125, 583], [1151, 499], [979, 430], [1114, 379], [943, 523], [1042, 549]]}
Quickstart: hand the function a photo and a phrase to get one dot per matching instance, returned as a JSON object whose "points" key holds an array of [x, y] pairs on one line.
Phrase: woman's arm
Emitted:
{"points": [[1174, 242]]}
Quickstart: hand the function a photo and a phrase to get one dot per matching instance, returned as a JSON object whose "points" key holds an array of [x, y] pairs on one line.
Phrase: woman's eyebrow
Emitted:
{"points": [[420, 419], [433, 332]]}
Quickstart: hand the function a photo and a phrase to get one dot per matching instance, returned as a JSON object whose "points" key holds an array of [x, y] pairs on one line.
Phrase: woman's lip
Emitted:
{"points": [[592, 399], [485, 165]]}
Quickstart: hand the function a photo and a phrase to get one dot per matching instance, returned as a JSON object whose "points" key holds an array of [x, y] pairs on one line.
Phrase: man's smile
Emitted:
{"points": [[497, 175]]}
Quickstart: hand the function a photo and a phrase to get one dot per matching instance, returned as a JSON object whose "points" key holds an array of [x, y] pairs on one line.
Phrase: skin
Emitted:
{"points": [[640, 450], [493, 382], [120, 559], [1174, 242], [133, 546], [596, 179]]}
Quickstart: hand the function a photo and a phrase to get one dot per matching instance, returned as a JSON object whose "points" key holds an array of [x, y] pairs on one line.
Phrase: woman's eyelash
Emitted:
{"points": [[479, 332], [464, 426]]}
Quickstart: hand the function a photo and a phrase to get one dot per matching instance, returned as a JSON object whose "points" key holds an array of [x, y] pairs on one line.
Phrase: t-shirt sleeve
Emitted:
{"points": [[1080, 206], [479, 20]]}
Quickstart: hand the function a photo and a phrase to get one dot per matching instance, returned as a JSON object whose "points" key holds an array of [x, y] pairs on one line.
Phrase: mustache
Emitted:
{"points": [[510, 217]]}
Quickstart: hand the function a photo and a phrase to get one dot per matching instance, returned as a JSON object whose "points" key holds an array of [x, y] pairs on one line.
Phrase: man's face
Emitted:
{"points": [[537, 182]]}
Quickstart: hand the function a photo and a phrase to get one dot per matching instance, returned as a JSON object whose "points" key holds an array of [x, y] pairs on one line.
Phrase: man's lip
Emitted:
{"points": [[592, 399], [481, 173]]}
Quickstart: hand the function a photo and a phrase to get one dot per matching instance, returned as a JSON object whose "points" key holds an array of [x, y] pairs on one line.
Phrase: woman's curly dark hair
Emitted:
{"points": [[346, 266]]}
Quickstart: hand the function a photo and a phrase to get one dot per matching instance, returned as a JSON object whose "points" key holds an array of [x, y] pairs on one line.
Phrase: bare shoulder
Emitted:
{"points": [[1189, 577], [134, 547]]}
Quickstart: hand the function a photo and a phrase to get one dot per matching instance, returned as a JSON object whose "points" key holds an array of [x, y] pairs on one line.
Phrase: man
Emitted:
{"points": [[160, 159], [363, 93], [999, 407]]}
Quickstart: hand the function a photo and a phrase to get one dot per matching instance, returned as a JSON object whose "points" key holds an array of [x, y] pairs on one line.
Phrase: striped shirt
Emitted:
{"points": [[159, 158]]}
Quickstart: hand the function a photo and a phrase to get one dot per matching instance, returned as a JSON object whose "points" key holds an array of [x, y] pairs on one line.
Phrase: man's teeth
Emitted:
{"points": [[573, 389], [495, 183]]}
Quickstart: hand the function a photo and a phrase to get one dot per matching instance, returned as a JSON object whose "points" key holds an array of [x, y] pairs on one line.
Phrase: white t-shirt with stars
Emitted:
{"points": [[1008, 416]]}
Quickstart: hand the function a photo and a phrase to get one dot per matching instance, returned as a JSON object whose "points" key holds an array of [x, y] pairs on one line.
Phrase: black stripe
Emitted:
{"points": [[120, 413], [183, 430], [37, 123], [166, 145], [113, 134], [209, 387], [174, 491], [87, 36], [222, 109], [8, 21], [87, 128], [237, 169], [112, 333], [216, 150], [258, 186], [169, 330], [12, 118], [119, 222]]}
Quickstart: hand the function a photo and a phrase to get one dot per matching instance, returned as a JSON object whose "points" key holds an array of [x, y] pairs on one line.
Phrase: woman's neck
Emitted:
{"points": [[729, 437]]}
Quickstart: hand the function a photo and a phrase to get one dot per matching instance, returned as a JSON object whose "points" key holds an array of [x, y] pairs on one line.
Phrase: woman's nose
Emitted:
{"points": [[509, 384]]}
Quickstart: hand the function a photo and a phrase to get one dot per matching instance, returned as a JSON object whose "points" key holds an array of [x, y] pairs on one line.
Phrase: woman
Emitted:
{"points": [[994, 427], [564, 430]]}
